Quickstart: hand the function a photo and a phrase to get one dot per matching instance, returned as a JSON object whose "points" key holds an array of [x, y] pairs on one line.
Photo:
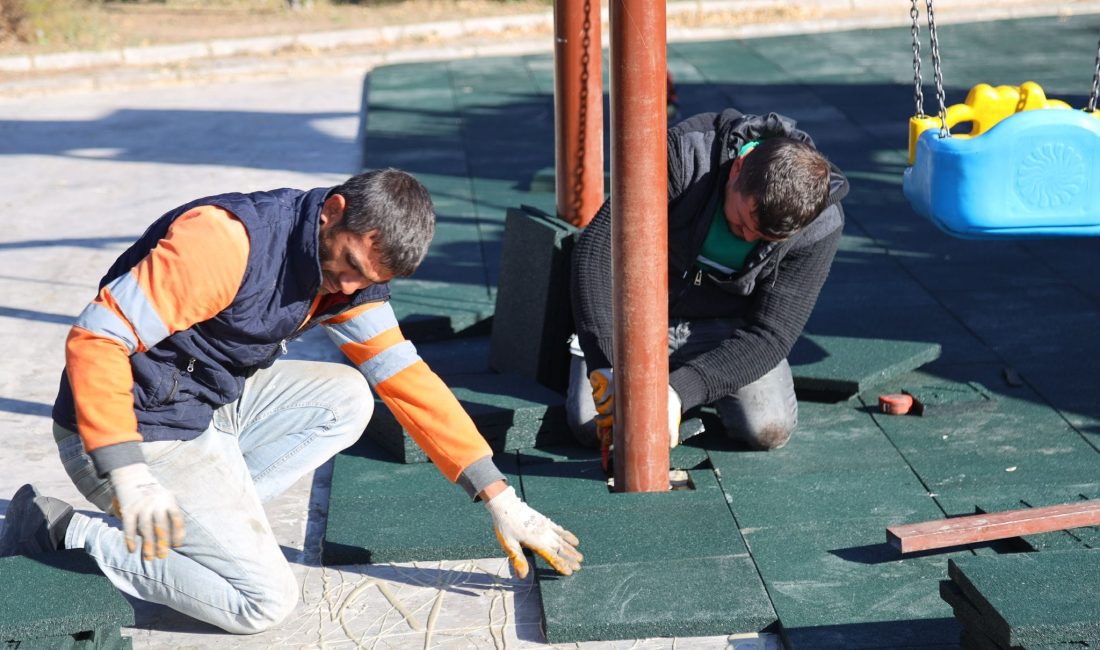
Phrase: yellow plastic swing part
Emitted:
{"points": [[984, 107]]}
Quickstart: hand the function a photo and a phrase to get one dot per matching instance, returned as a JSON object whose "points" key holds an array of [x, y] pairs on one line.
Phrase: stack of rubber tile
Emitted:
{"points": [[511, 383], [60, 600], [533, 321], [1048, 600]]}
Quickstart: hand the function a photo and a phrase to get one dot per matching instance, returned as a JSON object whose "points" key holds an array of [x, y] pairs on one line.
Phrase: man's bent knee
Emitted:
{"points": [[773, 435], [265, 610]]}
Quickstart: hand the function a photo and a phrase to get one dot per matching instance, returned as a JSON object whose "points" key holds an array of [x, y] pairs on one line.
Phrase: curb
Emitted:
{"points": [[226, 59]]}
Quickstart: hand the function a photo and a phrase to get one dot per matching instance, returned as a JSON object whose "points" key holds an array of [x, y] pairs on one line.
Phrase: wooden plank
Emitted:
{"points": [[943, 533]]}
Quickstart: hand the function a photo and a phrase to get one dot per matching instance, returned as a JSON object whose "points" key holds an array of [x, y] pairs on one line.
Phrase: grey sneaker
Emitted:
{"points": [[34, 523]]}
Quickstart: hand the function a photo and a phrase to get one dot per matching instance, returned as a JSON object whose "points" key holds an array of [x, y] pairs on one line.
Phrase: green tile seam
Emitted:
{"points": [[901, 454], [464, 137], [755, 564]]}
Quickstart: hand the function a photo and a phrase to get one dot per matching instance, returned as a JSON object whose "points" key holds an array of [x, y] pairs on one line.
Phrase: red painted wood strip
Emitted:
{"points": [[943, 533]]}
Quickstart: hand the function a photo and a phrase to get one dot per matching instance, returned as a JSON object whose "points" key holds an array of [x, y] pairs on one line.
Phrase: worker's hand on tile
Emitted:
{"points": [[603, 394], [146, 509], [518, 524]]}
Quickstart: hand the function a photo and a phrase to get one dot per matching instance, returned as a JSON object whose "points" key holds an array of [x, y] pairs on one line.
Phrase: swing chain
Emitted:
{"points": [[582, 114], [918, 82], [940, 94], [1095, 82]]}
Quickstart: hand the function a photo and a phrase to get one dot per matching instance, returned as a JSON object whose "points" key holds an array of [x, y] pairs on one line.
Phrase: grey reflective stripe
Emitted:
{"points": [[389, 362], [138, 310], [98, 319], [363, 327]]}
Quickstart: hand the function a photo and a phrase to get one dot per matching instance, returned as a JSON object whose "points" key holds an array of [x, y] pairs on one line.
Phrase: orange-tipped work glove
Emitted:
{"points": [[518, 524], [603, 394], [146, 509]]}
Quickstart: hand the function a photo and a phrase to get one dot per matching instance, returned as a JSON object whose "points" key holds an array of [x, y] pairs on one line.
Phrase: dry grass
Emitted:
{"points": [[38, 26]]}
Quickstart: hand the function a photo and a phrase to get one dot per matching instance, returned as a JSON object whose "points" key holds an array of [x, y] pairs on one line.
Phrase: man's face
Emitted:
{"points": [[740, 209], [349, 262]]}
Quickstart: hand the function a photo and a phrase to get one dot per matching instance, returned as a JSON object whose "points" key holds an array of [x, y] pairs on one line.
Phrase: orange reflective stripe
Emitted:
{"points": [[360, 353], [194, 272], [432, 415], [99, 373]]}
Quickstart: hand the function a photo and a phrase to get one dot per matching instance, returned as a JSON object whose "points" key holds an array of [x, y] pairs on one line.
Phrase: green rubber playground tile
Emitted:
{"points": [[1018, 324], [461, 356], [509, 411], [669, 598], [438, 317], [59, 595], [100, 639], [847, 366], [383, 511], [842, 586], [653, 528], [582, 485], [443, 525], [532, 321], [835, 439], [800, 499], [1023, 599], [711, 588]]}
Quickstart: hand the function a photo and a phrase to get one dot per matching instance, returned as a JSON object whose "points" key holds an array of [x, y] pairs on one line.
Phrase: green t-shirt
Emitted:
{"points": [[723, 251]]}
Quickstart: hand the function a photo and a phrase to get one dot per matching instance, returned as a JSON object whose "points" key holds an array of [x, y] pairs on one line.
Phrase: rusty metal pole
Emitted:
{"points": [[578, 110], [639, 236]]}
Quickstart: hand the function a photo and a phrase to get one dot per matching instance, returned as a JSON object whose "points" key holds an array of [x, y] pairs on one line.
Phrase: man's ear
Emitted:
{"points": [[332, 212]]}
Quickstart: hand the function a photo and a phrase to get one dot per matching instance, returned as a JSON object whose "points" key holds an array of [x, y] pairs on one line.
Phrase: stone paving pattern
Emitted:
{"points": [[83, 177]]}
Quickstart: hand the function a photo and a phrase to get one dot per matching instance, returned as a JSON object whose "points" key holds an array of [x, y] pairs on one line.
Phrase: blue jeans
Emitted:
{"points": [[762, 414], [230, 571]]}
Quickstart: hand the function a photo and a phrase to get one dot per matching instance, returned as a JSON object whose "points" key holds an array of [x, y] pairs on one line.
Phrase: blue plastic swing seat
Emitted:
{"points": [[1035, 173]]}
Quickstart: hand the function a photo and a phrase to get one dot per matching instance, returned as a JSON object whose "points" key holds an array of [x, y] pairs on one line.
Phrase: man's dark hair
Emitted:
{"points": [[398, 207], [790, 182]]}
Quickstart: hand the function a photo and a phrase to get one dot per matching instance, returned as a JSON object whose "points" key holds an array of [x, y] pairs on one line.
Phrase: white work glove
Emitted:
{"points": [[146, 509], [603, 394], [674, 408], [517, 523]]}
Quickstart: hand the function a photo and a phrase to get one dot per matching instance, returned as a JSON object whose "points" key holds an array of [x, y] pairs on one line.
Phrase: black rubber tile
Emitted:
{"points": [[1023, 596], [62, 594]]}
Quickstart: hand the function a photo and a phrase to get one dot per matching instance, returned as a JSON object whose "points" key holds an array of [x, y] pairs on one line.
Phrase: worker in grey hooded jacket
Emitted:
{"points": [[754, 222]]}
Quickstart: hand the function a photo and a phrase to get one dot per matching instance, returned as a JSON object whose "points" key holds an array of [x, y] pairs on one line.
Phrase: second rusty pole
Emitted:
{"points": [[639, 248], [578, 110]]}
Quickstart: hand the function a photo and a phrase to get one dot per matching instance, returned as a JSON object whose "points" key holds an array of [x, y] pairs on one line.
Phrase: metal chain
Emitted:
{"points": [[918, 91], [940, 94], [582, 116], [1095, 82]]}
